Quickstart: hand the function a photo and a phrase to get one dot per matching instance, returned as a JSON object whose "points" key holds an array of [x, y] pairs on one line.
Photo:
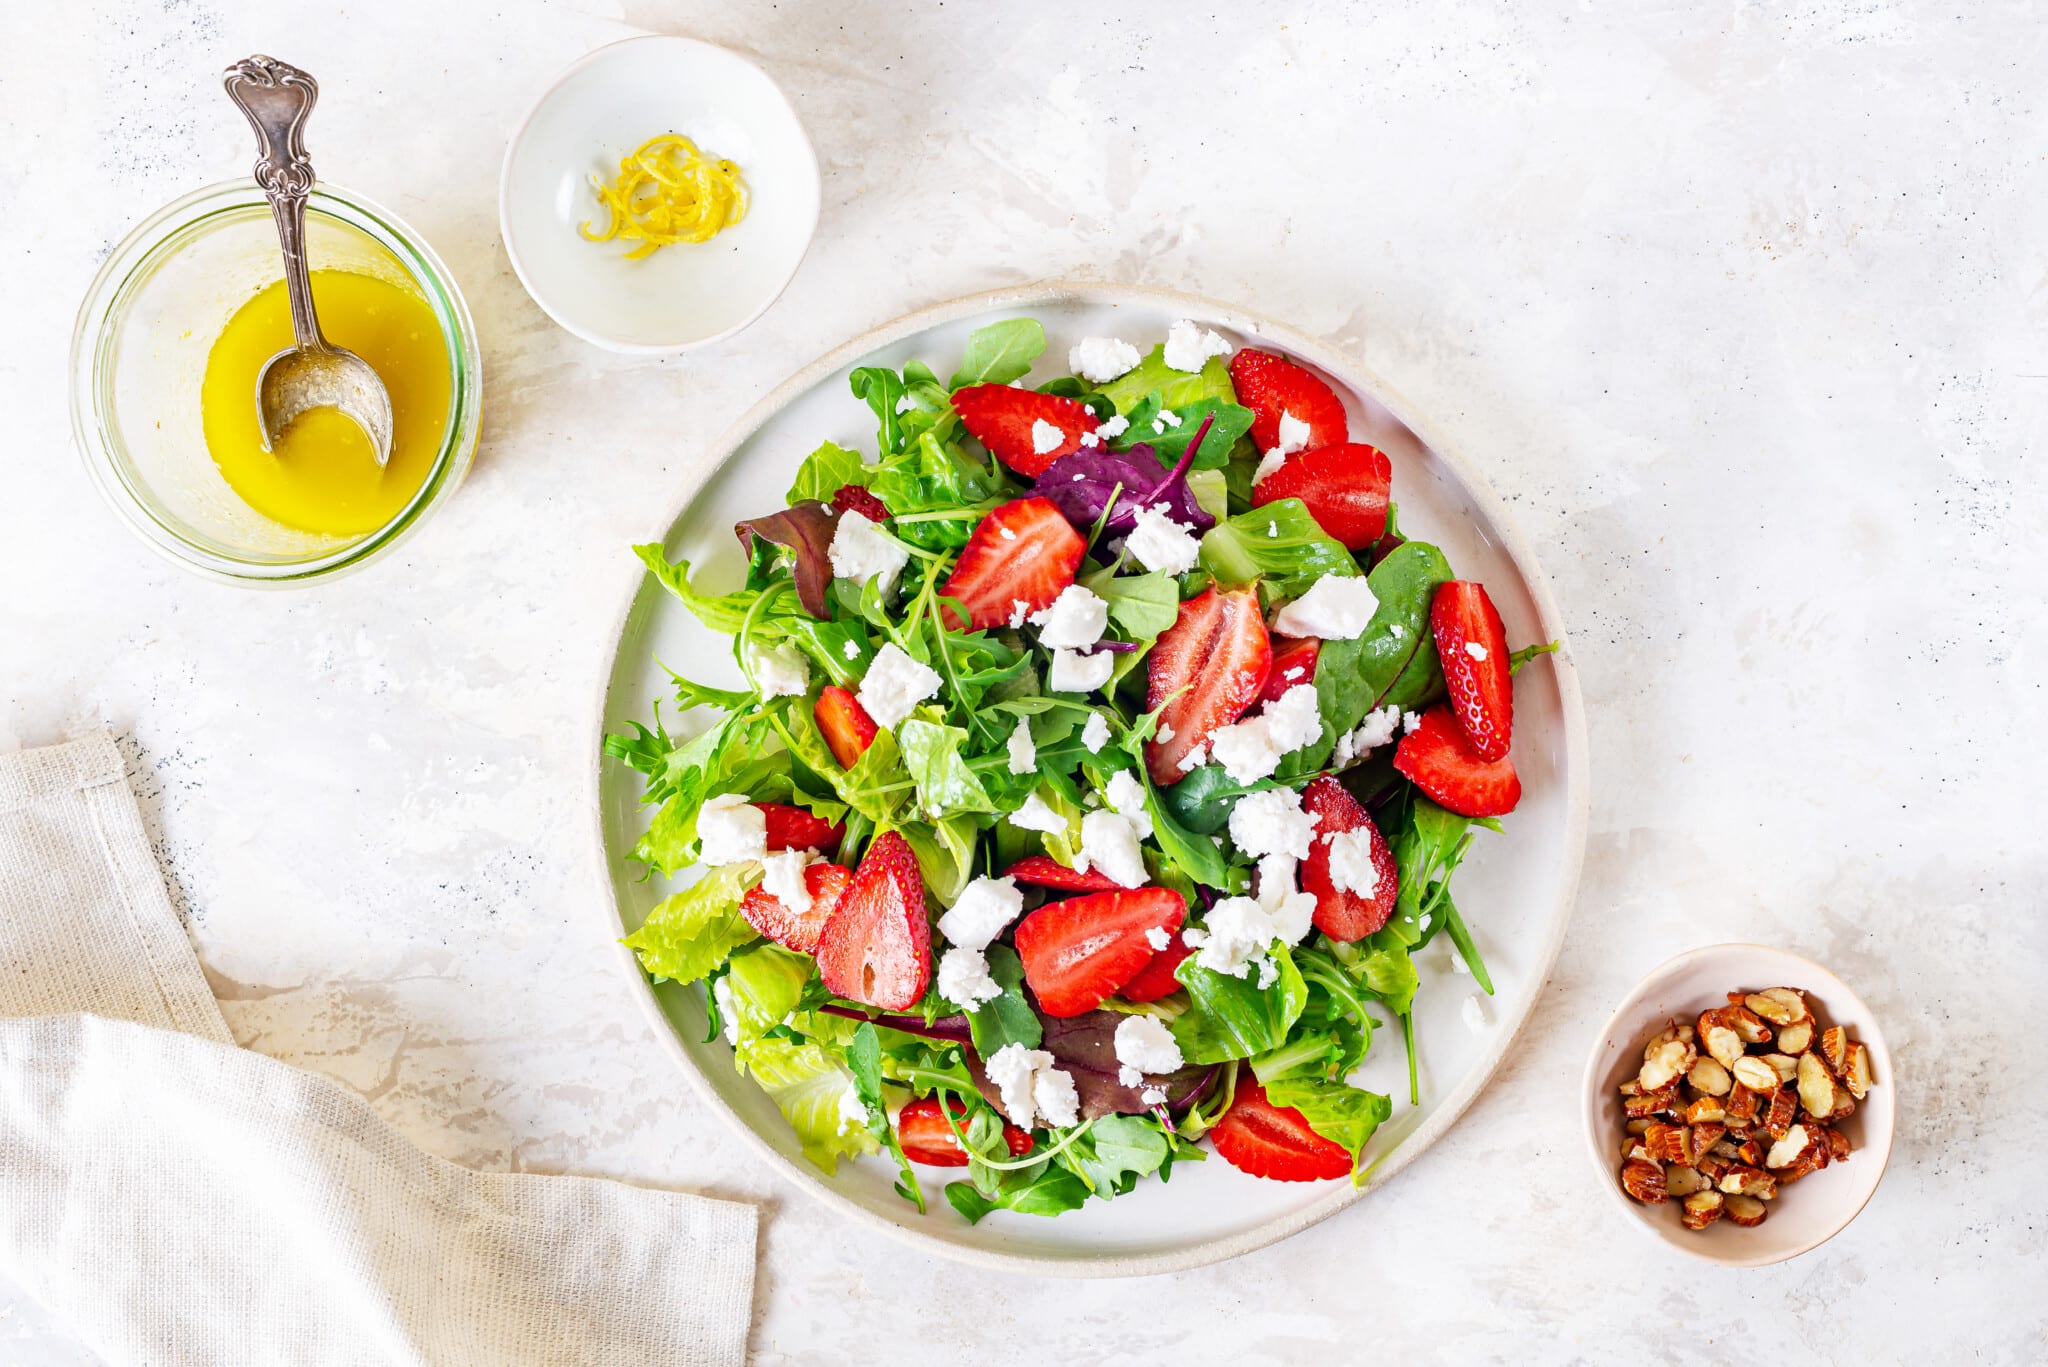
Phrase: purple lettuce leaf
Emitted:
{"points": [[1080, 485], [951, 1029], [1085, 1047], [806, 530]]}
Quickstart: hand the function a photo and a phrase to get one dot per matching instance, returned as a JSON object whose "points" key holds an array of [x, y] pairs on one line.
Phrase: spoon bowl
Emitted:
{"points": [[299, 379]]}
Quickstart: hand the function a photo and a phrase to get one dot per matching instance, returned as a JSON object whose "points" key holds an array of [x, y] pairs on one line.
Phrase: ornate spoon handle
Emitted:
{"points": [[277, 97]]}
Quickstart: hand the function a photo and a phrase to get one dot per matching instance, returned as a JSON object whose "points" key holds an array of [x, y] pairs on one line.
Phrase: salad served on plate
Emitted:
{"points": [[1104, 756]]}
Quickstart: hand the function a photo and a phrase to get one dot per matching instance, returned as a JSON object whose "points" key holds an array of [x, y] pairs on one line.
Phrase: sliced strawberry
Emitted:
{"points": [[1473, 646], [1044, 871], [1341, 914], [825, 882], [1294, 663], [1344, 487], [1440, 758], [793, 828], [854, 498], [846, 726], [1217, 657], [877, 946], [1274, 1142], [1023, 552], [1270, 385], [1005, 420], [1081, 950], [1155, 979], [927, 1138]]}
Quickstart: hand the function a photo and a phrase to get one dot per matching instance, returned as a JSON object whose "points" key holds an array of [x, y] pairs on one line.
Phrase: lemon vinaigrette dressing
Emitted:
{"points": [[323, 475]]}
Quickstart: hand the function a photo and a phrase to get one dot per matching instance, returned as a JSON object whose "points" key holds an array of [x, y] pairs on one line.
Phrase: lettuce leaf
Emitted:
{"points": [[806, 1084], [762, 986], [1177, 390], [825, 471], [691, 933], [931, 753], [999, 353], [1233, 1018], [1280, 544], [1345, 1115]]}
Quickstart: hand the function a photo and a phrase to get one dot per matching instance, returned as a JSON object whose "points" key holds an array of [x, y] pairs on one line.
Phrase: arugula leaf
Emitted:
{"points": [[1007, 1019], [806, 1083], [1461, 938], [999, 353], [687, 935], [881, 389], [692, 694], [945, 783], [864, 1057], [1428, 843], [1278, 544], [1233, 1017], [1116, 1152], [825, 471]]}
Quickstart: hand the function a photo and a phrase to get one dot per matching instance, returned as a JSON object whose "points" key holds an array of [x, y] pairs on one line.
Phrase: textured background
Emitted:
{"points": [[1742, 308]]}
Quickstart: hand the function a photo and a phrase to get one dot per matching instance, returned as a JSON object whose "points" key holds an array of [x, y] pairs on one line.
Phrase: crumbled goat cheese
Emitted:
{"points": [[1034, 815], [1160, 543], [1476, 651], [1396, 630], [1152, 1096], [964, 978], [862, 551], [1376, 730], [1046, 437], [1250, 750], [1114, 428], [1027, 1081], [1335, 608], [1474, 1012], [1095, 734], [1145, 1044], [1190, 345], [1158, 937], [730, 829], [1076, 619], [1165, 733], [1291, 910], [1193, 759], [1351, 866], [1099, 360], [852, 1114], [1269, 463], [1023, 750], [1409, 721], [782, 877], [894, 684], [1293, 434], [1007, 533], [1056, 1097], [1073, 672], [851, 650], [780, 671], [1109, 842], [1169, 417], [1020, 611], [982, 911], [728, 1009], [1272, 822], [1127, 796]]}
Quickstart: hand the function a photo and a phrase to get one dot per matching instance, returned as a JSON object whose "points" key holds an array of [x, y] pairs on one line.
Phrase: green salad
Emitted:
{"points": [[1104, 755]]}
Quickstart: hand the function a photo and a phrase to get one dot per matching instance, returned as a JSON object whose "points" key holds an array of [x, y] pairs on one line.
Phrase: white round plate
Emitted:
{"points": [[1516, 889], [605, 105]]}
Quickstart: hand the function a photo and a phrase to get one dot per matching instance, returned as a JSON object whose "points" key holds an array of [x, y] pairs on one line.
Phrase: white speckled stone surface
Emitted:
{"points": [[1741, 307]]}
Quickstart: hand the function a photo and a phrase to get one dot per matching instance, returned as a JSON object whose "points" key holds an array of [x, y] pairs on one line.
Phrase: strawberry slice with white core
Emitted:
{"points": [[1023, 553], [877, 946]]}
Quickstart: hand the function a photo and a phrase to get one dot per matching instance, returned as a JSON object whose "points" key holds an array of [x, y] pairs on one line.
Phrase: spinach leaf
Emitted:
{"points": [[1233, 1017], [1046, 1189], [999, 353], [1231, 423], [1392, 663], [1194, 854], [1009, 1018], [1279, 544], [881, 389], [689, 934]]}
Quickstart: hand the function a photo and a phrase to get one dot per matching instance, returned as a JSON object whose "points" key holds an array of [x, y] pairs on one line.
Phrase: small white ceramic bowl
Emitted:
{"points": [[1805, 1214], [605, 105]]}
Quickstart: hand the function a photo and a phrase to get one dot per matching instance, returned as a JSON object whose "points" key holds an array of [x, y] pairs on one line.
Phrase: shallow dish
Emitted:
{"points": [[1804, 1216], [606, 104], [1517, 888]]}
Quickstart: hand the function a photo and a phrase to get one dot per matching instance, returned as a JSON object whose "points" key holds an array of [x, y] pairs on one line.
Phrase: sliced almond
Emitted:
{"points": [[1838, 1145], [1745, 1023], [1784, 1065], [1651, 1103], [1794, 1038], [1669, 1143], [1630, 1087], [1740, 1104], [1834, 1047], [1719, 1038], [1750, 1152], [1710, 1076], [1632, 1147], [1724, 1147], [1754, 1074], [1640, 1125], [1741, 1180], [1778, 1005], [1644, 1181], [1706, 1109], [1673, 1031], [1701, 1209], [1746, 1211], [1790, 1147], [1817, 1087], [1665, 1063], [1680, 1180], [1784, 1109], [1711, 1166], [1855, 1069]]}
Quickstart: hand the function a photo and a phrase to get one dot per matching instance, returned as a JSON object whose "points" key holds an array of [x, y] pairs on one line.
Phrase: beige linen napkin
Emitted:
{"points": [[178, 1200]]}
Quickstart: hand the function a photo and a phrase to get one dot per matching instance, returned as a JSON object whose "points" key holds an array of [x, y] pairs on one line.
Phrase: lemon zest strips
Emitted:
{"points": [[669, 192]]}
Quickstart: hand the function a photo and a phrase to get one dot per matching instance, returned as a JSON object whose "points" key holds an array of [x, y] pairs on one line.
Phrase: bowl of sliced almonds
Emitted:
{"points": [[1738, 1104]]}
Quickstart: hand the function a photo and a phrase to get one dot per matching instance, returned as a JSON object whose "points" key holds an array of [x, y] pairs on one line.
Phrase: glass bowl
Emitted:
{"points": [[139, 351]]}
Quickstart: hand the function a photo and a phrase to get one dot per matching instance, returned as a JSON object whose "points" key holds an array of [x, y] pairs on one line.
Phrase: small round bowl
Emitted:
{"points": [[139, 351], [605, 105], [1803, 1215]]}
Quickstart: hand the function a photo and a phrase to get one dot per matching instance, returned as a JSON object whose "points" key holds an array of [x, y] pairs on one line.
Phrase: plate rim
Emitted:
{"points": [[1352, 371]]}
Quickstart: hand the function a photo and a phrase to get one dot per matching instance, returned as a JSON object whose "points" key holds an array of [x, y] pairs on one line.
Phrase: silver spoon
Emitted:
{"points": [[277, 96]]}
